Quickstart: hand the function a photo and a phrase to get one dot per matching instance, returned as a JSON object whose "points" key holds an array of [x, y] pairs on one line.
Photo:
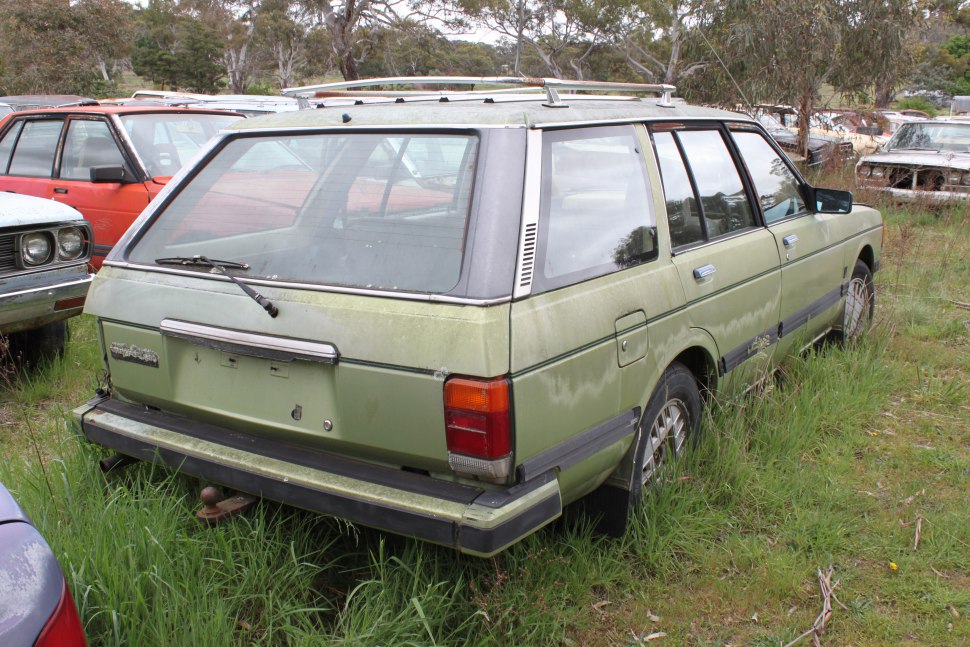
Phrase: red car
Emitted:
{"points": [[108, 162]]}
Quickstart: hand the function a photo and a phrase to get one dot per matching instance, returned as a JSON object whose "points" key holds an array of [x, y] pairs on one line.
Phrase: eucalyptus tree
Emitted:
{"points": [[563, 34], [353, 26], [786, 50], [281, 31], [653, 36], [53, 46]]}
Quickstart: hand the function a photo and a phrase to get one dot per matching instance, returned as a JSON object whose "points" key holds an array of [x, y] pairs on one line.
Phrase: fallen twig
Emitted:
{"points": [[960, 304], [919, 527], [828, 587]]}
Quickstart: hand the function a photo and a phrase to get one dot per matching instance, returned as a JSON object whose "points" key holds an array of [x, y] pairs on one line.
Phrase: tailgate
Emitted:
{"points": [[353, 374]]}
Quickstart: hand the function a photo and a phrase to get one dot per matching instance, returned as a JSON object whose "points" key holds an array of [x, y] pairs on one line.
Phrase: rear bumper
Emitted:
{"points": [[472, 520]]}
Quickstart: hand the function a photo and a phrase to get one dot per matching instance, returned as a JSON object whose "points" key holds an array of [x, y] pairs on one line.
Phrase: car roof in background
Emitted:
{"points": [[112, 109], [31, 101]]}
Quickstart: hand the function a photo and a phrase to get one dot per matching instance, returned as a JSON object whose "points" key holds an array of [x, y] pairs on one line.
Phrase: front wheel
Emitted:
{"points": [[860, 303]]}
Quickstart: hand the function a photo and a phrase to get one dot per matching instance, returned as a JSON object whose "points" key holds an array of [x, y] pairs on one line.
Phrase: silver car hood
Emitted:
{"points": [[948, 159]]}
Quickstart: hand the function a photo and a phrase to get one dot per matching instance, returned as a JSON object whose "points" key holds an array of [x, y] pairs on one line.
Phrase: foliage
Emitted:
{"points": [[786, 50], [176, 51], [55, 47], [832, 461], [916, 103]]}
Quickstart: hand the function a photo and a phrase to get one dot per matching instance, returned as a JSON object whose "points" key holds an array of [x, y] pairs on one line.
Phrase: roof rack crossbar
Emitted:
{"points": [[551, 86]]}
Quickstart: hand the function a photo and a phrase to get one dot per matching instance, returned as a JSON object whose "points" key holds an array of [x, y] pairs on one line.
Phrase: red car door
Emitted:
{"points": [[110, 206], [27, 153]]}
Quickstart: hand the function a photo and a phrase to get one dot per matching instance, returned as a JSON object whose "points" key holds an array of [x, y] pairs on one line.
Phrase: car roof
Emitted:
{"points": [[123, 110], [499, 110]]}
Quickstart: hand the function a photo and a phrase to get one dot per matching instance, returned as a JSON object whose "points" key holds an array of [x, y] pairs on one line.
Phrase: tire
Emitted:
{"points": [[669, 426], [860, 303], [31, 347]]}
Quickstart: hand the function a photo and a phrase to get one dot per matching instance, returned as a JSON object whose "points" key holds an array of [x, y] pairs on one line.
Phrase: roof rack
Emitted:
{"points": [[551, 86]]}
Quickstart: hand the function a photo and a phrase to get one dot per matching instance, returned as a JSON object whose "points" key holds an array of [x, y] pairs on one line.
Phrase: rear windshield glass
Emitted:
{"points": [[379, 211]]}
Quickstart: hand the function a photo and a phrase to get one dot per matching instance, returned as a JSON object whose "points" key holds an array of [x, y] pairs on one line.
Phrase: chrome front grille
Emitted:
{"points": [[8, 254]]}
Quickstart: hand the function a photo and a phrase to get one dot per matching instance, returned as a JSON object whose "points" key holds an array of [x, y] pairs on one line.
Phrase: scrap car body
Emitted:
{"points": [[44, 252], [925, 161], [448, 319]]}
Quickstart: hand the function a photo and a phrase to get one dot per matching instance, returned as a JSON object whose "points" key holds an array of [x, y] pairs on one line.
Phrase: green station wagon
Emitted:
{"points": [[448, 315]]}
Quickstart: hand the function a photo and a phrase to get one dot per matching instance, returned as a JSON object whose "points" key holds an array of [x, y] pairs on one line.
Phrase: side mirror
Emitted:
{"points": [[105, 174], [829, 200]]}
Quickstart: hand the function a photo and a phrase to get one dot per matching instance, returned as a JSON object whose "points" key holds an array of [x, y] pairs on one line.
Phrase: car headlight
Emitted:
{"points": [[966, 179], [864, 170], [36, 248], [70, 243], [878, 171], [954, 177]]}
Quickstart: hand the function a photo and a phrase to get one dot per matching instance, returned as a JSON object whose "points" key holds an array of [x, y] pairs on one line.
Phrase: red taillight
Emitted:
{"points": [[63, 628], [477, 417]]}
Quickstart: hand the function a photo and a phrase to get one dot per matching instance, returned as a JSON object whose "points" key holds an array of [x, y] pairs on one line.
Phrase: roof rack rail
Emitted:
{"points": [[551, 86]]}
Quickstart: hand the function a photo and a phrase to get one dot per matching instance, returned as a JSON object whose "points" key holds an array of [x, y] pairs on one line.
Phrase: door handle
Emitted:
{"points": [[60, 189], [703, 272], [790, 241]]}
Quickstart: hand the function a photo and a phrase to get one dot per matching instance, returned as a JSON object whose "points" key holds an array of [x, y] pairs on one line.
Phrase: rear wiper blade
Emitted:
{"points": [[223, 268], [201, 260]]}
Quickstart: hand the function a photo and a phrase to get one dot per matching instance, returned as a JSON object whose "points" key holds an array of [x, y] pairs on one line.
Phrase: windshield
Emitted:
{"points": [[166, 141], [932, 136], [379, 211]]}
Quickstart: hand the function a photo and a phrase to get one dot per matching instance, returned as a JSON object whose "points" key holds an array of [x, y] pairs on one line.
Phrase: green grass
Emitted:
{"points": [[832, 462]]}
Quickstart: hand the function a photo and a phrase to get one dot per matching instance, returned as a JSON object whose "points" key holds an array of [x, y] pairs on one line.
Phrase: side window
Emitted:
{"points": [[88, 144], [6, 145], [34, 154], [724, 202], [595, 213], [777, 186], [683, 214]]}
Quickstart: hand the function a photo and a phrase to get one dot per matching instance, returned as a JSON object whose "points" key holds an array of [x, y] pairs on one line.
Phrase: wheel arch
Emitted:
{"points": [[868, 256], [702, 364]]}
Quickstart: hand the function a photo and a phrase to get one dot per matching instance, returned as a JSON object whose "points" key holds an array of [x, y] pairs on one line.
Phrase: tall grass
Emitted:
{"points": [[830, 461]]}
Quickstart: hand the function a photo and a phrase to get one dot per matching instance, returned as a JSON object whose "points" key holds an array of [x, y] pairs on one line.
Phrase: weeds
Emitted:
{"points": [[831, 461]]}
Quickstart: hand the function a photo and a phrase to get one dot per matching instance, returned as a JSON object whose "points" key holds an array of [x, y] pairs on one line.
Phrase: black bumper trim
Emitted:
{"points": [[494, 539], [306, 457], [388, 518]]}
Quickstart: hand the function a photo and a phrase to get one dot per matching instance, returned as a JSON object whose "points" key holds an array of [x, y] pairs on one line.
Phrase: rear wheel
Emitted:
{"points": [[671, 421], [667, 428], [860, 302], [31, 347]]}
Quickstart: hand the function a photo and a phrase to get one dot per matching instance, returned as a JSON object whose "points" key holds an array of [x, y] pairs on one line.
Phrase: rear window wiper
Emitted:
{"points": [[223, 267]]}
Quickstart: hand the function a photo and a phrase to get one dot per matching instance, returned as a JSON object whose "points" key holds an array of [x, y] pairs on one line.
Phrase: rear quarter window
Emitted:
{"points": [[596, 214]]}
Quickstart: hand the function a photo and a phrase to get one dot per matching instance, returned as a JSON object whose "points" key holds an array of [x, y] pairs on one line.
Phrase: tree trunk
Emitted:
{"points": [[885, 94], [519, 30], [804, 112]]}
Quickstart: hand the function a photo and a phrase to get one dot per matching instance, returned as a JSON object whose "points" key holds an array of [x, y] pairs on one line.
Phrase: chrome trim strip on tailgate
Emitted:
{"points": [[252, 344]]}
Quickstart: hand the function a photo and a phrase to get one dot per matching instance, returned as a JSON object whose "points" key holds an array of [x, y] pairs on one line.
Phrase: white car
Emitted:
{"points": [[45, 247], [925, 161]]}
